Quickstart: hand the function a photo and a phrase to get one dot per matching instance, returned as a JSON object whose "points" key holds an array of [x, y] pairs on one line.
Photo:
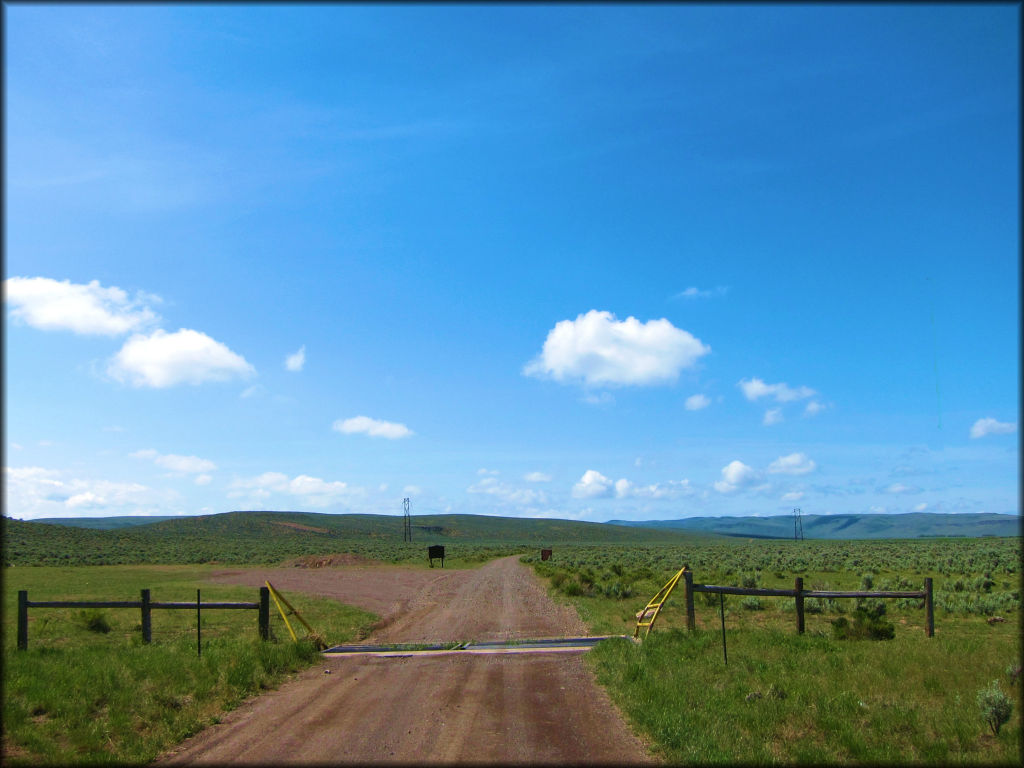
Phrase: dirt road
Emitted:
{"points": [[528, 708]]}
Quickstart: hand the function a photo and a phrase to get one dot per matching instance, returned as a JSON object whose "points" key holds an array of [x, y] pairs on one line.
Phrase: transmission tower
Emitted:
{"points": [[798, 525], [406, 522]]}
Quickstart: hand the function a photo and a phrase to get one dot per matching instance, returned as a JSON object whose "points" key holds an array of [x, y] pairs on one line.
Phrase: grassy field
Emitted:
{"points": [[89, 691], [811, 698]]}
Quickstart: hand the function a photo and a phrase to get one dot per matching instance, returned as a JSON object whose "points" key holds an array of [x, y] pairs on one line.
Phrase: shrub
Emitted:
{"points": [[751, 603], [995, 706], [863, 627], [573, 589], [95, 620]]}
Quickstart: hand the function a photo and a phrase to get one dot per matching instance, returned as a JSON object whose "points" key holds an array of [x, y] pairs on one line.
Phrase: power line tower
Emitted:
{"points": [[798, 525], [406, 522]]}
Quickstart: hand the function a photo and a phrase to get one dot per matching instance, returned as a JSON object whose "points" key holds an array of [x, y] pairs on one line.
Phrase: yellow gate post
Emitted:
{"points": [[278, 599], [655, 605]]}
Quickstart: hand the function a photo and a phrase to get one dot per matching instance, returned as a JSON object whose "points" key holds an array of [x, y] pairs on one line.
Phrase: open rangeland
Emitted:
{"points": [[528, 708]]}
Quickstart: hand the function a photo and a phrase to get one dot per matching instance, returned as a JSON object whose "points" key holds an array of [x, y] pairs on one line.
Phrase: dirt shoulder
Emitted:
{"points": [[531, 708]]}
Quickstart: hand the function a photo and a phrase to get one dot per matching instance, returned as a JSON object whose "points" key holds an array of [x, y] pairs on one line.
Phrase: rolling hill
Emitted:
{"points": [[911, 525], [269, 537]]}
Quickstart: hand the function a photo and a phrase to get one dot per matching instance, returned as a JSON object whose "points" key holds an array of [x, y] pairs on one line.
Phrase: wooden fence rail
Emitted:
{"points": [[799, 593], [146, 604]]}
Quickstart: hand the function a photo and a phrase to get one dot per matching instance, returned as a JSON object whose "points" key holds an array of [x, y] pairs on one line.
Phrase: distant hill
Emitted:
{"points": [[270, 537], [911, 525]]}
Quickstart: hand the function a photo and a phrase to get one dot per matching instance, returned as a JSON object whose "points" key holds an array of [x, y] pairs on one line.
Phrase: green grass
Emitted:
{"points": [[82, 696], [908, 700], [812, 698]]}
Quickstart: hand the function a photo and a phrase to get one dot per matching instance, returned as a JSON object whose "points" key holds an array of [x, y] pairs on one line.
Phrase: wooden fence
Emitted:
{"points": [[146, 604], [800, 593]]}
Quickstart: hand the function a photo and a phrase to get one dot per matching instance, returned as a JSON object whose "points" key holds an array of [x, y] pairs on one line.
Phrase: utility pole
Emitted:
{"points": [[406, 522], [798, 525]]}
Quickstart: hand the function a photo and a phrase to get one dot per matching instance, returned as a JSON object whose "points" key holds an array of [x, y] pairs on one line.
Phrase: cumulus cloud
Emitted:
{"points": [[782, 392], [537, 477], [508, 494], [772, 416], [295, 361], [793, 464], [485, 471], [989, 426], [313, 491], [696, 402], [34, 492], [592, 485], [203, 480], [598, 350], [89, 309], [735, 475], [176, 463], [793, 496], [372, 427], [670, 490], [921, 507], [167, 359]]}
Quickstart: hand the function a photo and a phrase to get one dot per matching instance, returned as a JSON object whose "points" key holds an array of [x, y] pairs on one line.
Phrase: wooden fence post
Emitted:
{"points": [[799, 604], [691, 619], [929, 609], [147, 618], [264, 620], [22, 619]]}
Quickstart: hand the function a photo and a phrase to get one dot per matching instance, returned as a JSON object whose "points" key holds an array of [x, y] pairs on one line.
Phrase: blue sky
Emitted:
{"points": [[605, 262]]}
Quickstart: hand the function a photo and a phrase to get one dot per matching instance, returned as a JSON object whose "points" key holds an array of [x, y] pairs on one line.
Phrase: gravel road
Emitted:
{"points": [[506, 709]]}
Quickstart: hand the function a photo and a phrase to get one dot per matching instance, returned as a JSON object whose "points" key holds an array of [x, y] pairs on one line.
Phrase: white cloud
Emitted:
{"points": [[313, 491], [877, 510], [989, 426], [670, 490], [508, 493], [813, 408], [34, 492], [901, 488], [52, 305], [176, 463], [597, 398], [793, 496], [412, 490], [592, 485], [783, 393], [372, 427], [485, 471], [203, 480], [772, 416], [255, 389], [696, 293], [696, 402], [598, 350], [793, 464], [537, 477], [296, 361], [735, 475], [166, 359], [921, 507]]}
